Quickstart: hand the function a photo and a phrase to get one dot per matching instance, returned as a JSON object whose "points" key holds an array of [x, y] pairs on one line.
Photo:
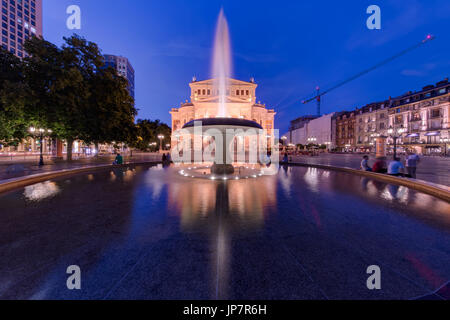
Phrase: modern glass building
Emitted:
{"points": [[20, 20], [123, 67]]}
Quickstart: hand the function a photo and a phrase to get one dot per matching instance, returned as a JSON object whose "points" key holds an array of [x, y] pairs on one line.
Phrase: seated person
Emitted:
{"points": [[379, 166], [119, 159], [395, 167], [365, 164]]}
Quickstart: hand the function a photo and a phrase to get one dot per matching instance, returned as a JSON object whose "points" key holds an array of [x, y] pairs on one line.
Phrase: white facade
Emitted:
{"points": [[318, 131]]}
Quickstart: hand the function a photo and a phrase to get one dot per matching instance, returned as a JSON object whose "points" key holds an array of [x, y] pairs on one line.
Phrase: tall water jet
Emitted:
{"points": [[221, 63]]}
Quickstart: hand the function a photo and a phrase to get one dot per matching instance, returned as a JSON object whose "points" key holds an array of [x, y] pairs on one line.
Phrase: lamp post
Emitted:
{"points": [[445, 141], [40, 134], [160, 137], [395, 134]]}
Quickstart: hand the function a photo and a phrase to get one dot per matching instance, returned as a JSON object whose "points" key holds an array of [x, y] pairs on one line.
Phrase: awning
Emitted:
{"points": [[433, 134], [413, 135]]}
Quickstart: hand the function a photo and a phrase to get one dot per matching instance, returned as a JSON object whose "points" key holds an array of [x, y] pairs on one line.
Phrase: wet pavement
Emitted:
{"points": [[433, 169], [150, 233], [19, 168]]}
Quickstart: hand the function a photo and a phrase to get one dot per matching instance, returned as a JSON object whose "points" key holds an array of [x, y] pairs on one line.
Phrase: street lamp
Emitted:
{"points": [[40, 133], [395, 134], [160, 137], [284, 138], [445, 141]]}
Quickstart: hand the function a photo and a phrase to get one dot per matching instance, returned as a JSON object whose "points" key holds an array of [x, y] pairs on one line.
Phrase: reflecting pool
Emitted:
{"points": [[151, 233]]}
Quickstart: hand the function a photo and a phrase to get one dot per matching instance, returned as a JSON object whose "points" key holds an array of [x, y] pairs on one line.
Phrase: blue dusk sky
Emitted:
{"points": [[289, 47]]}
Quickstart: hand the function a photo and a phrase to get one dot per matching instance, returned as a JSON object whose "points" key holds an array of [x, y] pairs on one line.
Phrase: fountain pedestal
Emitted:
{"points": [[222, 169]]}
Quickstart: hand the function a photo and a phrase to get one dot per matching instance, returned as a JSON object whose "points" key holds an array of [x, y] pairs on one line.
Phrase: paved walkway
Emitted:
{"points": [[431, 168], [19, 168]]}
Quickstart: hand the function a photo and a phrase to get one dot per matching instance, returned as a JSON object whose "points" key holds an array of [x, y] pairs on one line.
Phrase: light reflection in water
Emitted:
{"points": [[221, 209], [226, 211], [312, 179], [41, 191]]}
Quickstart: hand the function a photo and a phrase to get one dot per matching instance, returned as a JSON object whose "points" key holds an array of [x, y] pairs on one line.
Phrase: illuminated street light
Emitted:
{"points": [[395, 134], [160, 137], [42, 133]]}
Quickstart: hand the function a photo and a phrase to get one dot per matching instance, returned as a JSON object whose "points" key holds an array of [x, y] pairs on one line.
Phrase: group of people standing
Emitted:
{"points": [[395, 167]]}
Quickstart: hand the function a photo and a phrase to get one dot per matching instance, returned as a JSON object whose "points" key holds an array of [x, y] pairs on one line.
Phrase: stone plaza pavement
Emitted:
{"points": [[19, 168], [433, 169]]}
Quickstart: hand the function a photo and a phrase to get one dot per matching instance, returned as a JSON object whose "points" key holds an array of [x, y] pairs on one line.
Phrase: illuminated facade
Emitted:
{"points": [[372, 121], [240, 103], [425, 118], [21, 19]]}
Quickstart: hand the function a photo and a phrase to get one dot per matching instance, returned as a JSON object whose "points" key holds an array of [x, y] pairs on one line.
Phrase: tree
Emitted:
{"points": [[56, 90], [13, 125], [148, 132], [110, 111], [107, 109]]}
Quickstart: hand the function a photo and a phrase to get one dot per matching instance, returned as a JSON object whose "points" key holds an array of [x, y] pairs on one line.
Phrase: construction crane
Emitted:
{"points": [[319, 94]]}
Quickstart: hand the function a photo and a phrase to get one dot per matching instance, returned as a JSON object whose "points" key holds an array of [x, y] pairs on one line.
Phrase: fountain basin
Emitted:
{"points": [[200, 239], [225, 128]]}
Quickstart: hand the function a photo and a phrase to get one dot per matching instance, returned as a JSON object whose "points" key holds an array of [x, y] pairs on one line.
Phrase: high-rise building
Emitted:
{"points": [[123, 67], [21, 19]]}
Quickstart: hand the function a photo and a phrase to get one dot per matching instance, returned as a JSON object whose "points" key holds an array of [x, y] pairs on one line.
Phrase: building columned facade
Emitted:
{"points": [[372, 121], [425, 118], [240, 103]]}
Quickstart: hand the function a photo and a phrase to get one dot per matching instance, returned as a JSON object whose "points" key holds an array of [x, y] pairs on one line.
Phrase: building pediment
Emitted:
{"points": [[231, 82]]}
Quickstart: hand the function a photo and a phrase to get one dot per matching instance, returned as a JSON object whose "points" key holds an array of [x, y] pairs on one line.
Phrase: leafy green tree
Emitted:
{"points": [[13, 124], [107, 109], [110, 110], [148, 132], [55, 90]]}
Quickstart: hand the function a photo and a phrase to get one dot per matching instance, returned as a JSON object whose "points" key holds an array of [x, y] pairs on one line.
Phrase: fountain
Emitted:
{"points": [[223, 125]]}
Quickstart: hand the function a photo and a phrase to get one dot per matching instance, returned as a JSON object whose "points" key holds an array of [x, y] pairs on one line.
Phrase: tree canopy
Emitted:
{"points": [[70, 91]]}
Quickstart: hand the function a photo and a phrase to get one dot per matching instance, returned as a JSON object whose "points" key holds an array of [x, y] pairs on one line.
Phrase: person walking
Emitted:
{"points": [[411, 164], [395, 167], [365, 164]]}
